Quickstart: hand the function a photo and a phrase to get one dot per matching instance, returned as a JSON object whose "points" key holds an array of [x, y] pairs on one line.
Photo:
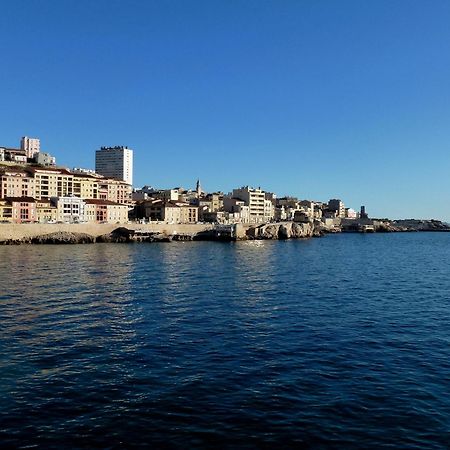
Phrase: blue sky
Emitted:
{"points": [[318, 99]]}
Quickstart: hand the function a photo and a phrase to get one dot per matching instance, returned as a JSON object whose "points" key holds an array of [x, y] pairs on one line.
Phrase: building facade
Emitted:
{"points": [[31, 146], [115, 162], [260, 209], [16, 183]]}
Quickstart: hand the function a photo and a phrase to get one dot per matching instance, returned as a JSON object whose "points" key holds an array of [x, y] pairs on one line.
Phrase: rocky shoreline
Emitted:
{"points": [[270, 231], [123, 234]]}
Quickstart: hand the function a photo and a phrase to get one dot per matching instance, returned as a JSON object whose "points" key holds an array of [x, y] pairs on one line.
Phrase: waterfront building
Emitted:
{"points": [[115, 162], [23, 209], [167, 211], [16, 182], [5, 211], [307, 206], [104, 211], [260, 208], [46, 212], [31, 146], [237, 208], [70, 209]]}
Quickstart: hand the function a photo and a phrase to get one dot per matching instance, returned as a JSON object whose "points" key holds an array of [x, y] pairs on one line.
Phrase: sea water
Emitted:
{"points": [[341, 342]]}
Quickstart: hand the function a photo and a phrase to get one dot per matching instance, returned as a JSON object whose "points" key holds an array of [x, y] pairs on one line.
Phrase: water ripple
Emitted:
{"points": [[333, 343]]}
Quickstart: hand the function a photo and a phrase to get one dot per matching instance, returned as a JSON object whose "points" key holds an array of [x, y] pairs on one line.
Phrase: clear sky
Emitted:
{"points": [[312, 98]]}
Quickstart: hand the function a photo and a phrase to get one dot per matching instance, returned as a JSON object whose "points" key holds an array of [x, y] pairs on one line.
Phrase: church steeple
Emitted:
{"points": [[198, 187]]}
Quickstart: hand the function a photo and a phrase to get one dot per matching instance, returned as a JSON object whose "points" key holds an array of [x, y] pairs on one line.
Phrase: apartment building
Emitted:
{"points": [[169, 212], [16, 183], [260, 208], [70, 209], [115, 191], [23, 209], [104, 211], [46, 212], [31, 146]]}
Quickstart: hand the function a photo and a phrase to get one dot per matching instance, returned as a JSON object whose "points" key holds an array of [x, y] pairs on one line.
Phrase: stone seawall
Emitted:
{"points": [[26, 231], [153, 232]]}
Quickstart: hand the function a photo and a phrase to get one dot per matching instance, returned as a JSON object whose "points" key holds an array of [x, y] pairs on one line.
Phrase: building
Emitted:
{"points": [[5, 211], [237, 209], [15, 155], [31, 146], [261, 209], [115, 162], [44, 159], [167, 211], [16, 182], [85, 186], [337, 206], [104, 211], [52, 182], [23, 209], [70, 209], [46, 212], [363, 214], [115, 191]]}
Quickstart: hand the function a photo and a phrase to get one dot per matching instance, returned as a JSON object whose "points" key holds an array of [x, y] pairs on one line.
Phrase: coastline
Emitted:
{"points": [[16, 234], [32, 233]]}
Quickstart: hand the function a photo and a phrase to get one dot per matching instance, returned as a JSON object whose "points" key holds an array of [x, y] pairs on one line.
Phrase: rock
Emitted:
{"points": [[63, 237], [283, 230], [118, 235]]}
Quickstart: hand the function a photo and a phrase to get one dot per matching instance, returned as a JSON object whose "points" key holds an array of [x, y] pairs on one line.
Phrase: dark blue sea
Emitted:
{"points": [[341, 342]]}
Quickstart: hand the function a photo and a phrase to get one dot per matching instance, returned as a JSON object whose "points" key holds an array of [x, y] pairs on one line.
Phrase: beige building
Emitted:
{"points": [[260, 208], [46, 212], [115, 191], [16, 183], [237, 210], [5, 211], [104, 211], [31, 146], [169, 212], [85, 186], [52, 182]]}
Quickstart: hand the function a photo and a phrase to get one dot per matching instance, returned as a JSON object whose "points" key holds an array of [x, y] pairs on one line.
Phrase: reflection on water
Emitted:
{"points": [[339, 342]]}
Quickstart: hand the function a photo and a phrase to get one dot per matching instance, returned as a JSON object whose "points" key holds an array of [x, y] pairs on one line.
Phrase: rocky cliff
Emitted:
{"points": [[283, 230]]}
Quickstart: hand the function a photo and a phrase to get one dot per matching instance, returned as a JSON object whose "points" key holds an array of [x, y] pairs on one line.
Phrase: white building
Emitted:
{"points": [[30, 145], [70, 209], [44, 159], [260, 209], [115, 162]]}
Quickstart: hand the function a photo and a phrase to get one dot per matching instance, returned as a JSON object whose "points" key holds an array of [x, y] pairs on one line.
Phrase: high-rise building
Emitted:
{"points": [[30, 145], [116, 162]]}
